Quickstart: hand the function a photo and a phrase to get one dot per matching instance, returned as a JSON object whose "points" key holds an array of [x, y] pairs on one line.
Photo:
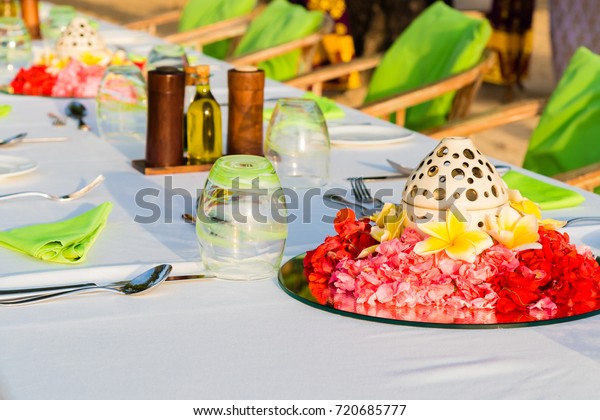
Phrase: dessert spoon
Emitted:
{"points": [[141, 283]]}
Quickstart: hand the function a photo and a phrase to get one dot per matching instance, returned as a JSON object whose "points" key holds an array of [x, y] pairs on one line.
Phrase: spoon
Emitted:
{"points": [[145, 281], [77, 111], [13, 139]]}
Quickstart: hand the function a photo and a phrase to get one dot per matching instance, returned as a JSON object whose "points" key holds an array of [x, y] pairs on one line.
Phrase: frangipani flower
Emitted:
{"points": [[389, 224], [514, 231], [525, 206], [454, 237]]}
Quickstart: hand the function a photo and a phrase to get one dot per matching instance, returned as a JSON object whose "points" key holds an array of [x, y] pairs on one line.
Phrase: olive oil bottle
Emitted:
{"points": [[204, 123]]}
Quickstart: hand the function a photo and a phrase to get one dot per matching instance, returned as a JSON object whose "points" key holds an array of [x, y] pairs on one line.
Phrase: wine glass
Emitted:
{"points": [[15, 48], [167, 55], [241, 220], [297, 143], [122, 104]]}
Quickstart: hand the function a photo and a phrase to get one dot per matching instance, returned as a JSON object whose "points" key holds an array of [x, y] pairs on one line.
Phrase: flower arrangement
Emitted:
{"points": [[66, 77], [516, 263], [486, 250]]}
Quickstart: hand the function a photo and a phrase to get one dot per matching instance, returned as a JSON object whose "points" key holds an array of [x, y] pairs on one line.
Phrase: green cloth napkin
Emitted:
{"points": [[549, 197], [440, 42], [329, 108], [5, 110], [64, 242]]}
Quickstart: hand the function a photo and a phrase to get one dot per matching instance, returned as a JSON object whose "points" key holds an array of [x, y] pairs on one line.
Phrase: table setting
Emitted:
{"points": [[214, 306]]}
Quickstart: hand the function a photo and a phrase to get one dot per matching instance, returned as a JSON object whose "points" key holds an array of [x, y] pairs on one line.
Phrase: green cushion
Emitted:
{"points": [[567, 134], [279, 23], [198, 13], [440, 42]]}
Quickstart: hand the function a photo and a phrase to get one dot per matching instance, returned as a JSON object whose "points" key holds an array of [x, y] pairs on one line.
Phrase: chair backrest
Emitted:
{"points": [[280, 22], [567, 136], [440, 42], [198, 13]]}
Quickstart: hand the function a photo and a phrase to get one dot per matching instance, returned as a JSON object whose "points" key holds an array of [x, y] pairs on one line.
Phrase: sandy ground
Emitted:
{"points": [[508, 143]]}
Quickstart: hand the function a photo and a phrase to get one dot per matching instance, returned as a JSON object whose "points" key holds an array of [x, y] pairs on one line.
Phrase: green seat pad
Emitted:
{"points": [[566, 135], [279, 23], [440, 42], [198, 13]]}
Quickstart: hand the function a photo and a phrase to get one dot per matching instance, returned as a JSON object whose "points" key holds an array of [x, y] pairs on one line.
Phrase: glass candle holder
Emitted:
{"points": [[241, 219]]}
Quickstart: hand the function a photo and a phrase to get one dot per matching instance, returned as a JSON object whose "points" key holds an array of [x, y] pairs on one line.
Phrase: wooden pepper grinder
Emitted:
{"points": [[31, 17], [164, 139], [245, 121]]}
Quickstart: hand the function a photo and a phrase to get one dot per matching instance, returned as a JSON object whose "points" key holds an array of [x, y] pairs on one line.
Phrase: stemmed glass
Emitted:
{"points": [[297, 143], [15, 48], [241, 220], [122, 104], [166, 55]]}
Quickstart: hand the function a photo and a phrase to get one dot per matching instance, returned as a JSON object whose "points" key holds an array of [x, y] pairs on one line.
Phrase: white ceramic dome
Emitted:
{"points": [[454, 174], [79, 37]]}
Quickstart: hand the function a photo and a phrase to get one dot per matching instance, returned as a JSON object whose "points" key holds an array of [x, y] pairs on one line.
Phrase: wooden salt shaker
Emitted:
{"points": [[245, 120], [164, 139]]}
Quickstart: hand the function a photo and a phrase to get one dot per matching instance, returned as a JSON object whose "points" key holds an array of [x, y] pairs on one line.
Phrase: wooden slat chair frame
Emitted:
{"points": [[587, 177], [466, 84], [235, 29]]}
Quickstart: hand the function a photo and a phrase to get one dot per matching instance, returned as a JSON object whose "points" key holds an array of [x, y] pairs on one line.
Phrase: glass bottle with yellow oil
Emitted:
{"points": [[204, 123]]}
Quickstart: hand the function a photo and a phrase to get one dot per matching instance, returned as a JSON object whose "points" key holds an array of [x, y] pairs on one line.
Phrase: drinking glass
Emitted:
{"points": [[15, 48], [122, 104], [57, 21], [166, 55], [297, 143], [241, 219]]}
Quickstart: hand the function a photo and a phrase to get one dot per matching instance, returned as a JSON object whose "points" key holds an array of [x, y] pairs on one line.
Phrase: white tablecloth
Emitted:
{"points": [[238, 340]]}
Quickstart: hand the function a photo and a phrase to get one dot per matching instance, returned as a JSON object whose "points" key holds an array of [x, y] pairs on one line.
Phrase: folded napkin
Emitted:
{"points": [[5, 110], [331, 110], [549, 197], [64, 242]]}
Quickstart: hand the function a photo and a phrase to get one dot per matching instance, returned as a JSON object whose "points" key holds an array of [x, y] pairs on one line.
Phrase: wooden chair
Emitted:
{"points": [[152, 24], [414, 83], [466, 84], [586, 177], [241, 28], [564, 143]]}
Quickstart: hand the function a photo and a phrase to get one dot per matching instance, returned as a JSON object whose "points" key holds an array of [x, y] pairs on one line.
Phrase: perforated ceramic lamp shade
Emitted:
{"points": [[79, 37], [454, 174]]}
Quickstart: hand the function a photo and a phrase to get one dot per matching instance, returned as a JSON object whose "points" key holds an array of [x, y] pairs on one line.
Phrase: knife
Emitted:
{"points": [[381, 177], [401, 169], [73, 286]]}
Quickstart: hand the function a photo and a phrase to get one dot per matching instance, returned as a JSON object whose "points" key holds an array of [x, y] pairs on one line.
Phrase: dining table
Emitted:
{"points": [[220, 339]]}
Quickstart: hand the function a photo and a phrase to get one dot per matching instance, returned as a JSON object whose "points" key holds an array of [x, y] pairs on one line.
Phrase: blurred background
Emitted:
{"points": [[375, 24]]}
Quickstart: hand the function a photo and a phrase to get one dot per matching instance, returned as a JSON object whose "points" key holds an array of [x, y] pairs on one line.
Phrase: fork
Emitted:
{"points": [[68, 197], [362, 193]]}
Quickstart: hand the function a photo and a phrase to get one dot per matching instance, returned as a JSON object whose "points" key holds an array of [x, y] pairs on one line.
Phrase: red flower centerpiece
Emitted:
{"points": [[503, 259]]}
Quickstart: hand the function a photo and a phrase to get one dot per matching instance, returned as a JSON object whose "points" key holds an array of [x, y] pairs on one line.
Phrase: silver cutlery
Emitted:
{"points": [[56, 120], [338, 199], [380, 177], [68, 197], [406, 170], [22, 138], [141, 283], [78, 111], [362, 193], [41, 289], [582, 220]]}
